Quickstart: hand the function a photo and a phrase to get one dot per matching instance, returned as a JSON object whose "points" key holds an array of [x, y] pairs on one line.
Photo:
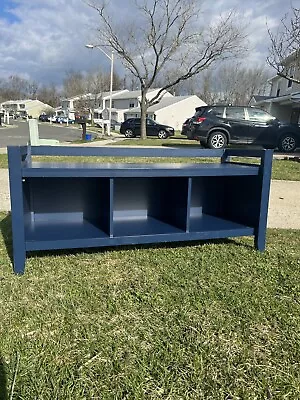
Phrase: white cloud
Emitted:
{"points": [[47, 37]]}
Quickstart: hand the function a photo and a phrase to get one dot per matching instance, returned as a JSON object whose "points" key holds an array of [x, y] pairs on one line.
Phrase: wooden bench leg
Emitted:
{"points": [[19, 261], [260, 241]]}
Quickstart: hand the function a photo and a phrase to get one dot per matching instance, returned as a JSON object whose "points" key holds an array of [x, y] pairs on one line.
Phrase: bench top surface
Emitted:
{"points": [[124, 169]]}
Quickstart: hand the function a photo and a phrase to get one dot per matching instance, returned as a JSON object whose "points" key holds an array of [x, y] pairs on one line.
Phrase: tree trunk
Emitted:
{"points": [[83, 135], [143, 113], [92, 116]]}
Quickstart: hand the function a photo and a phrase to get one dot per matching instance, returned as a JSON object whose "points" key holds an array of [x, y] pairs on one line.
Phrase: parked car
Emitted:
{"points": [[217, 126], [185, 130], [44, 118], [132, 127], [64, 120], [53, 118]]}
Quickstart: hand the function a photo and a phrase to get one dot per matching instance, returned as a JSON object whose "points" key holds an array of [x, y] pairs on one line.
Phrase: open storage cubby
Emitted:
{"points": [[58, 205], [149, 206], [215, 201], [58, 209]]}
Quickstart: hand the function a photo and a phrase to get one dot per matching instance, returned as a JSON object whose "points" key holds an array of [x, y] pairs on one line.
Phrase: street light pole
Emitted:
{"points": [[110, 91], [111, 58]]}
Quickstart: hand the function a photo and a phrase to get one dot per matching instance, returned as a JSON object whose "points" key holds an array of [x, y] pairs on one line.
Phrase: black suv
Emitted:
{"points": [[132, 127], [217, 126]]}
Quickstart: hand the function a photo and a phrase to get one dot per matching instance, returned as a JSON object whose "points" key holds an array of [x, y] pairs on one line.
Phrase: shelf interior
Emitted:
{"points": [[209, 223], [223, 203], [70, 228], [142, 227], [149, 206], [62, 208]]}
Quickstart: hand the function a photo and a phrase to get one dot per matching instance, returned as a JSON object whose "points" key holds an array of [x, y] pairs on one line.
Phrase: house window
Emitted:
{"points": [[112, 104], [291, 75], [278, 90], [22, 106], [131, 104]]}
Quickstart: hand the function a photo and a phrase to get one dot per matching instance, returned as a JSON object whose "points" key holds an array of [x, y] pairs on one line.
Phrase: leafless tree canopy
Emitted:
{"points": [[236, 84], [88, 88], [17, 88], [167, 35], [284, 52]]}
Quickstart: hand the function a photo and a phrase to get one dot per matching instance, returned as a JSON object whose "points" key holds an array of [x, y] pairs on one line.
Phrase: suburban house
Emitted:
{"points": [[284, 99], [124, 102], [171, 110], [97, 102], [23, 108]]}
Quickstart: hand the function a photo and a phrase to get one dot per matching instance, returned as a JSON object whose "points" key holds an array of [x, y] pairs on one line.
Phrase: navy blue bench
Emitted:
{"points": [[57, 205]]}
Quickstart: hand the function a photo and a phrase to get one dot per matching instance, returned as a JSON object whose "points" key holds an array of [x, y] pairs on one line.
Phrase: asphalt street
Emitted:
{"points": [[18, 133]]}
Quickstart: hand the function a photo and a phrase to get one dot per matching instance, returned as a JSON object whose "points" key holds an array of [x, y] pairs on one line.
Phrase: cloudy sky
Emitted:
{"points": [[42, 39]]}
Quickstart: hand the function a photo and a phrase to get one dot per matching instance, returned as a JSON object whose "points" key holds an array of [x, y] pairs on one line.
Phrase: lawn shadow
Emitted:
{"points": [[3, 380], [5, 228], [183, 145], [146, 246]]}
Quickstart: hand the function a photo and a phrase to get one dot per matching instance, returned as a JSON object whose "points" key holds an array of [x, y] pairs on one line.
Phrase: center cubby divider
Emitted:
{"points": [[149, 206]]}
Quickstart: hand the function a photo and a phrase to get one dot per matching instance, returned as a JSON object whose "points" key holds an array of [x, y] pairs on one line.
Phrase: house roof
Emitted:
{"points": [[132, 94], [103, 94], [262, 98], [25, 101], [285, 99], [165, 102], [115, 93]]}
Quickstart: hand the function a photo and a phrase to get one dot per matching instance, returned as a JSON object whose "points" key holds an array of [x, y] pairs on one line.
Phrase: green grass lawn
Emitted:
{"points": [[175, 140], [282, 169], [210, 320]]}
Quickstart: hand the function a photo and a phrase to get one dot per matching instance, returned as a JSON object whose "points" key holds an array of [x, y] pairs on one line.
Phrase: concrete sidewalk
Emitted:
{"points": [[96, 143]]}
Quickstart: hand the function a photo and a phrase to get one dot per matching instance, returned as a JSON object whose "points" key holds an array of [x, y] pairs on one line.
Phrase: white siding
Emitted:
{"points": [[175, 114], [122, 104]]}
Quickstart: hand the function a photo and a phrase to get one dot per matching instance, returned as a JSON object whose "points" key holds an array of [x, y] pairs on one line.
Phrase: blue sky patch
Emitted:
{"points": [[5, 11]]}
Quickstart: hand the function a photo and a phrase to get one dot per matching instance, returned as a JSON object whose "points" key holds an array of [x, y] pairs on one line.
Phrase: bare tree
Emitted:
{"points": [[15, 88], [236, 84], [73, 84], [32, 89], [95, 85], [208, 91], [284, 52], [49, 95], [166, 34]]}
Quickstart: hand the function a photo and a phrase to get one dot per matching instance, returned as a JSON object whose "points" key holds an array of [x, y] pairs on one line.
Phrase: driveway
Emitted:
{"points": [[18, 134]]}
